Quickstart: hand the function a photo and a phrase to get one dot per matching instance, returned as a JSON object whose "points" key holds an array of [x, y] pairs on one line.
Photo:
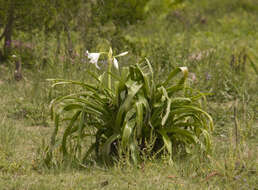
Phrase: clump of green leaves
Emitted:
{"points": [[131, 11], [128, 115]]}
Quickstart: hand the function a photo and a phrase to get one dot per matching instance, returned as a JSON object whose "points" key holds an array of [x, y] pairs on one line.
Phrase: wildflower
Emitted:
{"points": [[122, 54], [94, 57], [8, 43], [115, 62], [184, 69], [193, 77]]}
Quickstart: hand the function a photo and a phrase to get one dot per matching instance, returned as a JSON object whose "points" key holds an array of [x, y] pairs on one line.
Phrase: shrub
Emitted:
{"points": [[131, 11], [128, 115]]}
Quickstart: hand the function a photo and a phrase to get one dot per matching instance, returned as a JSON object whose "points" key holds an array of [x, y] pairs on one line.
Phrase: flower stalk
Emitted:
{"points": [[110, 62]]}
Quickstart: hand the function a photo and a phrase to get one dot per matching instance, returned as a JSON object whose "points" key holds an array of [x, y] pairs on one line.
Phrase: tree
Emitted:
{"points": [[13, 17]]}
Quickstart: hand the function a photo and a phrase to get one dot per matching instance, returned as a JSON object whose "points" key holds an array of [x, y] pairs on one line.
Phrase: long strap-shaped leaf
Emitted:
{"points": [[184, 70], [53, 140], [62, 82], [183, 132], [192, 109], [165, 117], [68, 131], [92, 104], [127, 133], [107, 147], [207, 139], [146, 80], [88, 152], [167, 141], [133, 89], [139, 117], [134, 151]]}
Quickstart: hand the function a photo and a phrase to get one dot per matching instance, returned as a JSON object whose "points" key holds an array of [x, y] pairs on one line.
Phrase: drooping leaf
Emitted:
{"points": [[133, 89], [167, 141], [107, 146], [127, 133], [139, 118], [184, 70], [68, 131]]}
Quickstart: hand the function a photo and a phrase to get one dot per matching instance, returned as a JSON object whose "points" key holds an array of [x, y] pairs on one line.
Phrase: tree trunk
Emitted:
{"points": [[58, 48], [45, 51], [8, 31], [18, 71], [69, 41]]}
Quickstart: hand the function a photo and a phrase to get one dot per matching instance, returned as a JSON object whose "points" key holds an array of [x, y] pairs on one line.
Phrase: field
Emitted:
{"points": [[218, 42]]}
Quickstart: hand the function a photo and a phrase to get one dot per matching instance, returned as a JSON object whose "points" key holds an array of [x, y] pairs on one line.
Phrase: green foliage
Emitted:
{"points": [[127, 116], [123, 10], [163, 7], [130, 11]]}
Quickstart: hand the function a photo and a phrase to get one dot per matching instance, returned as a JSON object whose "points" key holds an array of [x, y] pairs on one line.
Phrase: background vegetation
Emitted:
{"points": [[216, 40]]}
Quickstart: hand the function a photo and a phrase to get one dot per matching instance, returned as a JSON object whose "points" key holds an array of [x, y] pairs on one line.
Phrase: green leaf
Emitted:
{"points": [[194, 108], [139, 117], [184, 70], [68, 131], [179, 100], [165, 117], [70, 107], [253, 65], [107, 146], [133, 89], [167, 141], [207, 139], [53, 139], [88, 152], [183, 132], [62, 82], [127, 133], [146, 82], [134, 152]]}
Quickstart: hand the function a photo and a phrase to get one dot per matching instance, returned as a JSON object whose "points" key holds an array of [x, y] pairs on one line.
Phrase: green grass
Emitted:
{"points": [[25, 120]]}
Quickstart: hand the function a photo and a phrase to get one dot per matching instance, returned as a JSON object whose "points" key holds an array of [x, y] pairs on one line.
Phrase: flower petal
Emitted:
{"points": [[96, 65], [94, 57], [115, 62], [122, 54]]}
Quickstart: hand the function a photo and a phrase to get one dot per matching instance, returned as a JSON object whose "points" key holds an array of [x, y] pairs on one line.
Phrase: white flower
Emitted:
{"points": [[94, 57], [14, 56], [183, 69], [122, 54], [115, 62]]}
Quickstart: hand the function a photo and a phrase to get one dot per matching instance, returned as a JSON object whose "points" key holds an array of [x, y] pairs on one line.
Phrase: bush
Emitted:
{"points": [[130, 11], [131, 116]]}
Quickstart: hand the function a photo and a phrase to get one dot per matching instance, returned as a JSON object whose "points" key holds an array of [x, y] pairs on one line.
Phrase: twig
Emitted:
{"points": [[215, 173]]}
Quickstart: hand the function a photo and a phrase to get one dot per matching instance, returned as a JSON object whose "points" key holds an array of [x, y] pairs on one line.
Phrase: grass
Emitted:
{"points": [[233, 163]]}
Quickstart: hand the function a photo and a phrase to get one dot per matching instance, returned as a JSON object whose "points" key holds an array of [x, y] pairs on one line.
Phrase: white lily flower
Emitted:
{"points": [[122, 54], [183, 69], [94, 57], [115, 62]]}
